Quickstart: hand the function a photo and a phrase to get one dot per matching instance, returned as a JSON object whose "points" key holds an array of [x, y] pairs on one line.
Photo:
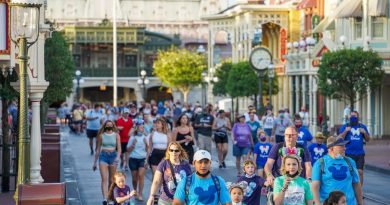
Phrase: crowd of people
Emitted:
{"points": [[275, 156]]}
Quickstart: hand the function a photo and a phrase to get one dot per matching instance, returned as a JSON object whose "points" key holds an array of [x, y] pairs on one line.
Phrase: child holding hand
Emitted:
{"points": [[119, 192]]}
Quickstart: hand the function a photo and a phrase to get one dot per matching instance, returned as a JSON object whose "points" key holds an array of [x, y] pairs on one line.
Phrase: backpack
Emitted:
{"points": [[322, 165], [215, 180]]}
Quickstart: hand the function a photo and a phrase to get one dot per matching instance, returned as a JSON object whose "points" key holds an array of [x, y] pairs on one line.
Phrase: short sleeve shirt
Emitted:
{"points": [[127, 125], [168, 187], [121, 192], [204, 119], [281, 125], [93, 124], [355, 147], [262, 151], [304, 136], [336, 176], [298, 191], [317, 151], [202, 191], [277, 153], [253, 189]]}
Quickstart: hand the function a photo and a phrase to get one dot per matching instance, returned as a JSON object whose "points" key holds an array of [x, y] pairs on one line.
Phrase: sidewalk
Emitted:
{"points": [[377, 156]]}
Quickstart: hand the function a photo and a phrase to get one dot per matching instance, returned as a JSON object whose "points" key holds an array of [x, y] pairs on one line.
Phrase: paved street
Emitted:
{"points": [[375, 187]]}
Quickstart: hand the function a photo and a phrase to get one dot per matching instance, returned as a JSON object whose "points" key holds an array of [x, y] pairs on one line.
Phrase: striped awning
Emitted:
{"points": [[348, 9], [307, 4], [378, 8]]}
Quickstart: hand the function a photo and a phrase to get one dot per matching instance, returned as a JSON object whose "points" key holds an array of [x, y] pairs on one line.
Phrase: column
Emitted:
{"points": [[36, 148], [280, 94], [315, 108], [369, 114], [291, 93], [310, 110], [303, 90], [286, 80], [357, 106], [296, 95]]}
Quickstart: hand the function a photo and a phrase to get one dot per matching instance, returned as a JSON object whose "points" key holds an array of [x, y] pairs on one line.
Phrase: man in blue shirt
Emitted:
{"points": [[336, 172], [357, 134], [94, 119], [304, 135], [202, 188]]}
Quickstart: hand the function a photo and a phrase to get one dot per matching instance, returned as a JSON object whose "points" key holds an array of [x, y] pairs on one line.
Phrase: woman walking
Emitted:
{"points": [[242, 141], [159, 140], [108, 150], [221, 126], [184, 135], [169, 173], [137, 148]]}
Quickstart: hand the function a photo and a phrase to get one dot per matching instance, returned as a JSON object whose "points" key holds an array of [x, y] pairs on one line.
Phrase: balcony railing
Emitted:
{"points": [[108, 72]]}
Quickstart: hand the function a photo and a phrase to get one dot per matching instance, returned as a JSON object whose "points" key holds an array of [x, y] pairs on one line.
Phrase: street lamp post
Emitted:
{"points": [[25, 25], [271, 75], [204, 81], [78, 80], [142, 82]]}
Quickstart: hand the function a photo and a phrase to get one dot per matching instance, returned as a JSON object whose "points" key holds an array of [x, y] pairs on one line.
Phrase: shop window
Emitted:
{"points": [[377, 27], [358, 28]]}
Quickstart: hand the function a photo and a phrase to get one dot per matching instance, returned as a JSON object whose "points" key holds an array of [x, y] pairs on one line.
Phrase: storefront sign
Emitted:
{"points": [[283, 44], [316, 62]]}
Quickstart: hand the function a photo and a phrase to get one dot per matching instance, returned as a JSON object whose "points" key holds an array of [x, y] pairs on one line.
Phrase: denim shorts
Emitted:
{"points": [[135, 164], [108, 157], [239, 151]]}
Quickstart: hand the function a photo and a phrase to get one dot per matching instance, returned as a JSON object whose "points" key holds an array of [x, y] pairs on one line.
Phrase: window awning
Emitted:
{"points": [[378, 8], [349, 8], [327, 22], [307, 4]]}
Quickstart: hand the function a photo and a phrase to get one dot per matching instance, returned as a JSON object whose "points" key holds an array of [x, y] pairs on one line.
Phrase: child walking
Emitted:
{"points": [[261, 152], [318, 149], [290, 188], [253, 184], [119, 192], [236, 194]]}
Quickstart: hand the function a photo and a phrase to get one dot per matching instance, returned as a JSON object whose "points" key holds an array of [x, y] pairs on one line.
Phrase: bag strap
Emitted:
{"points": [[217, 185], [172, 172], [187, 187], [188, 184], [349, 165]]}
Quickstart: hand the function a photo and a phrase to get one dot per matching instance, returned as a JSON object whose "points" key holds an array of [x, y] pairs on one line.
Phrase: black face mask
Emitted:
{"points": [[203, 175], [108, 128], [292, 176]]}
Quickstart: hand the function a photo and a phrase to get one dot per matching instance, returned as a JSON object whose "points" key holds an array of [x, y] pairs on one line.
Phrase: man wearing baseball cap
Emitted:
{"points": [[335, 171], [201, 187]]}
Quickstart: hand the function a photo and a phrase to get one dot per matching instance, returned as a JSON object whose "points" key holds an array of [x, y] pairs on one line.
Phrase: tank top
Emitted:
{"points": [[108, 141], [181, 136], [221, 122], [160, 140]]}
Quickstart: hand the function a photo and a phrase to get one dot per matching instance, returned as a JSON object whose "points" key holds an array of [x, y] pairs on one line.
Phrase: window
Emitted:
{"points": [[358, 28], [377, 27]]}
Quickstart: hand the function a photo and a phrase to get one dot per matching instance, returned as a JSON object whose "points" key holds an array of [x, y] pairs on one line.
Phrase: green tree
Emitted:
{"points": [[59, 71], [180, 69], [347, 72], [222, 73]]}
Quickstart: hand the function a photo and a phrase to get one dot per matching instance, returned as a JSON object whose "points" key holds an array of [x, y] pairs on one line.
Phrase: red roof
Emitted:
{"points": [[307, 4]]}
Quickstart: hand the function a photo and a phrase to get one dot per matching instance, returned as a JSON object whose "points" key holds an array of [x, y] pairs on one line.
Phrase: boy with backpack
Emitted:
{"points": [[202, 187]]}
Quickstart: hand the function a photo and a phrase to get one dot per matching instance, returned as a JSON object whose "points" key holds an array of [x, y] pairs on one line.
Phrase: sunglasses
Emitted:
{"points": [[174, 150]]}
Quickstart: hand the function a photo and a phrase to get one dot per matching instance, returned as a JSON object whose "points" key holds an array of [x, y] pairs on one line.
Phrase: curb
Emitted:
{"points": [[377, 169]]}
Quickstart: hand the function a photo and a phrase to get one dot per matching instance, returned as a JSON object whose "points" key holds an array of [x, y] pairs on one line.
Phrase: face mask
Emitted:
{"points": [[263, 138], [108, 128], [298, 126], [281, 116], [203, 175], [292, 175], [339, 156], [354, 120]]}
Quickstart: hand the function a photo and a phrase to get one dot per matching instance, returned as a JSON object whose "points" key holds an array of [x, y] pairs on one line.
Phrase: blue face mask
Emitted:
{"points": [[339, 156], [354, 120]]}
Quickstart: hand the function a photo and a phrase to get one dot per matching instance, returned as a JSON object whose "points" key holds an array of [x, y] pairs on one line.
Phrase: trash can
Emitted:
{"points": [[42, 194]]}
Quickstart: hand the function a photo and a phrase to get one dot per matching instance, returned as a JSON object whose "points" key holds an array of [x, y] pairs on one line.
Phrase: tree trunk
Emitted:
{"points": [[352, 103], [232, 111], [5, 179], [185, 95], [237, 105], [256, 102]]}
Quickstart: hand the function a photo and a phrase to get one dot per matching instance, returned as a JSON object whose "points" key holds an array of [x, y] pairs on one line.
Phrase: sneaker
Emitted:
{"points": [[91, 152], [220, 166], [223, 164], [105, 203]]}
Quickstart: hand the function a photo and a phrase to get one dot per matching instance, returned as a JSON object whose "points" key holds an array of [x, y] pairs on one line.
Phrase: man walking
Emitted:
{"points": [[203, 124], [124, 125], [201, 187], [335, 171], [357, 134], [94, 119]]}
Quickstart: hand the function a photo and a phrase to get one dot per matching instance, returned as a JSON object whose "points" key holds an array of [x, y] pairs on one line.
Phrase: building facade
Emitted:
{"points": [[343, 24]]}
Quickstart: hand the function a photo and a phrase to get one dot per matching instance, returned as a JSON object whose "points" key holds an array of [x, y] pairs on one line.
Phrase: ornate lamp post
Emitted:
{"points": [[271, 75], [77, 81], [204, 81], [24, 33], [142, 82]]}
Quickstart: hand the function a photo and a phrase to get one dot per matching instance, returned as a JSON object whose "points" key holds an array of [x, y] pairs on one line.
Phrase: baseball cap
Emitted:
{"points": [[126, 110], [319, 135], [202, 154], [241, 116], [336, 141]]}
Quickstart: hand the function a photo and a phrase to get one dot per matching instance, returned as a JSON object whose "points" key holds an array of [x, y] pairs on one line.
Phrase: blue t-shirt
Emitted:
{"points": [[304, 136], [262, 151], [355, 147], [254, 126], [202, 191], [93, 124], [317, 151], [336, 176]]}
